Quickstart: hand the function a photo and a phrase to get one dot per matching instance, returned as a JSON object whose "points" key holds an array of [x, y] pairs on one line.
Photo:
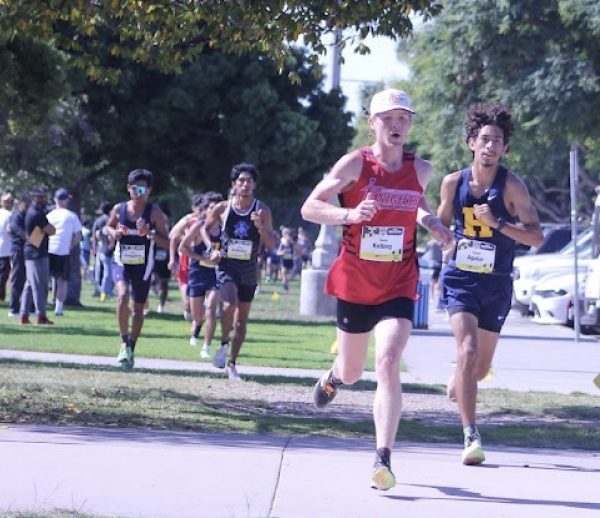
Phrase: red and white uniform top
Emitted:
{"points": [[378, 259]]}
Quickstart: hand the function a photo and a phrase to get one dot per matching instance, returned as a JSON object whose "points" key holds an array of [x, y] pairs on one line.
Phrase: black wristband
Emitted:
{"points": [[501, 223]]}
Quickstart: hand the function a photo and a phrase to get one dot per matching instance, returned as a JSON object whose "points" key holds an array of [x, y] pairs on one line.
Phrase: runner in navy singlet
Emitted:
{"points": [[245, 223], [135, 225], [202, 278], [491, 209]]}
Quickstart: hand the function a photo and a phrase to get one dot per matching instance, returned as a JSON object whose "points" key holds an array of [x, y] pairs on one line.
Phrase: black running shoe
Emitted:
{"points": [[325, 390]]}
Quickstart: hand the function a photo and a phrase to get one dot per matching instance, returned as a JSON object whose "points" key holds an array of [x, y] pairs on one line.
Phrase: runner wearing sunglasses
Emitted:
{"points": [[135, 226]]}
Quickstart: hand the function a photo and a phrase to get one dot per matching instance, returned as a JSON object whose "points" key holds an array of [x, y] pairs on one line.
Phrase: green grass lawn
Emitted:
{"points": [[277, 335], [70, 394]]}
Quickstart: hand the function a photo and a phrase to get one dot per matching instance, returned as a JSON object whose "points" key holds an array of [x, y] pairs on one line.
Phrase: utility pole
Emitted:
{"points": [[574, 177], [312, 299]]}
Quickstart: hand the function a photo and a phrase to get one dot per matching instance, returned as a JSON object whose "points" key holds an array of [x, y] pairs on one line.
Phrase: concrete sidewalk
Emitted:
{"points": [[141, 473]]}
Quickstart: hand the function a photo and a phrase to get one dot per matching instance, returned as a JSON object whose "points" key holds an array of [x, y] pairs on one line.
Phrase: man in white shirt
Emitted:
{"points": [[5, 241], [68, 234]]}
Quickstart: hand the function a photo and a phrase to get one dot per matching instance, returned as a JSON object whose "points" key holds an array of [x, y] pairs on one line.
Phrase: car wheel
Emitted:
{"points": [[570, 316]]}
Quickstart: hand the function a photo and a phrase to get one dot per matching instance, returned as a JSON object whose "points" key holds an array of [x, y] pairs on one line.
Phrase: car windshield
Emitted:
{"points": [[584, 241]]}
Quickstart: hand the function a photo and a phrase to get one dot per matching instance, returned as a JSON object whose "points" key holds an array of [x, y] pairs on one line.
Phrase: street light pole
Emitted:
{"points": [[574, 174], [313, 301]]}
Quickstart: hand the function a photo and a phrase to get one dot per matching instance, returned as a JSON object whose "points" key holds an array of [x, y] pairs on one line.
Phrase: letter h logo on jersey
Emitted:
{"points": [[473, 226]]}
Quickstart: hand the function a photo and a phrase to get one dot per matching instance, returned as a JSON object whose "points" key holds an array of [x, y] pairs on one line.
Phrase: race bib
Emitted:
{"points": [[160, 254], [240, 249], [382, 244], [475, 256], [133, 254]]}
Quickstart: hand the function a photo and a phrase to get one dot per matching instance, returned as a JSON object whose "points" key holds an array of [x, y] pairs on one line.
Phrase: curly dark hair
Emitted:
{"points": [[480, 115]]}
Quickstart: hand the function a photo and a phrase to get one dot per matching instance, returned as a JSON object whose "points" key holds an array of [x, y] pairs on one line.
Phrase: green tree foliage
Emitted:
{"points": [[189, 129], [540, 58], [33, 78], [167, 34]]}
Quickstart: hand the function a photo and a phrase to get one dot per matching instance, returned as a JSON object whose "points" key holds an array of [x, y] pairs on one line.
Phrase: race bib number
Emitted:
{"points": [[160, 254], [240, 249], [475, 256], [383, 244], [133, 254]]}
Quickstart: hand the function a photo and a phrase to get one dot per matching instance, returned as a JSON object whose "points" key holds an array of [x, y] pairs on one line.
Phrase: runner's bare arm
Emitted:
{"points": [[447, 191], [190, 239], [264, 223], [161, 226], [518, 201], [426, 216], [318, 209]]}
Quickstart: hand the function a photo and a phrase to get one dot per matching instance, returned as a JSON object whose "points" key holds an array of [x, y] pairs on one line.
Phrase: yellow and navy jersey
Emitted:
{"points": [[468, 227]]}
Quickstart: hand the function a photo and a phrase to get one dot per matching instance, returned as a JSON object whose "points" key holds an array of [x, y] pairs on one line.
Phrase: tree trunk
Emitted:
{"points": [[74, 286]]}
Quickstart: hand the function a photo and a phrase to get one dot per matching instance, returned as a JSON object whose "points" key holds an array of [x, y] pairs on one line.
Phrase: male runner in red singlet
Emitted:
{"points": [[374, 278], [176, 234]]}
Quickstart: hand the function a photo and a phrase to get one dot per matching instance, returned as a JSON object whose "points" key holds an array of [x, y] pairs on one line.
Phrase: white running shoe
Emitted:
{"points": [[221, 356], [160, 308], [194, 341], [232, 372], [205, 352]]}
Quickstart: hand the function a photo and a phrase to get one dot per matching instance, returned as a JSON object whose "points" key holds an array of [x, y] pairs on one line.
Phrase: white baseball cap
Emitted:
{"points": [[390, 99]]}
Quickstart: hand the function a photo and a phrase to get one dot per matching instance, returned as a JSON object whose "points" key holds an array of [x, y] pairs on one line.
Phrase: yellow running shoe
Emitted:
{"points": [[382, 477], [473, 452]]}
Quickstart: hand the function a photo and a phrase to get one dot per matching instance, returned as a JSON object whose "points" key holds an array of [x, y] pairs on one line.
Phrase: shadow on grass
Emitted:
{"points": [[230, 427], [72, 330], [59, 330], [361, 385]]}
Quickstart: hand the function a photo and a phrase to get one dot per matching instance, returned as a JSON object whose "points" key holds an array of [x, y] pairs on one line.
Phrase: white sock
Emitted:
{"points": [[59, 306]]}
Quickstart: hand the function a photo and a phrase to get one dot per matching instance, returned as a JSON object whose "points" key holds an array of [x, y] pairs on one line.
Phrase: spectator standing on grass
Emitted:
{"points": [[491, 210], [306, 247], [288, 251], [86, 249], [18, 276], [6, 209], [374, 277], [37, 266], [60, 244], [103, 249], [162, 273], [245, 223], [134, 225]]}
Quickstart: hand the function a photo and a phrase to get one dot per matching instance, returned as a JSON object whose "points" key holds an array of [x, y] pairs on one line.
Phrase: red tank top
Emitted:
{"points": [[370, 280]]}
